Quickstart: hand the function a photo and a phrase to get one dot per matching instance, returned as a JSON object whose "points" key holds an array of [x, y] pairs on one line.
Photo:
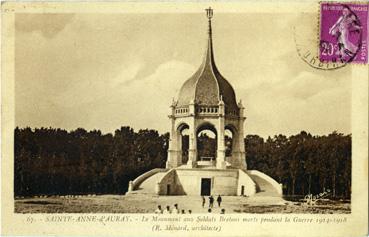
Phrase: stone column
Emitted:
{"points": [[220, 162], [241, 158], [192, 151], [192, 148], [235, 147], [172, 161], [180, 148]]}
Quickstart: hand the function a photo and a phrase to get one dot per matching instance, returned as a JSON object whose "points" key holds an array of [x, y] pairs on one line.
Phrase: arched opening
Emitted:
{"points": [[230, 140], [206, 136], [183, 141]]}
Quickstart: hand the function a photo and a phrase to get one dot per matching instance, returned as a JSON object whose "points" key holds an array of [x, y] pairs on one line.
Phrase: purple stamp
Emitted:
{"points": [[343, 32]]}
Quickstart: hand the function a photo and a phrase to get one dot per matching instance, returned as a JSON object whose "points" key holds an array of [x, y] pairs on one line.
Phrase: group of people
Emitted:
{"points": [[211, 203], [176, 210], [167, 210]]}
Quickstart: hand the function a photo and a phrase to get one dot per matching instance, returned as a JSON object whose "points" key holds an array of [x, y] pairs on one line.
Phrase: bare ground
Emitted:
{"points": [[148, 203]]}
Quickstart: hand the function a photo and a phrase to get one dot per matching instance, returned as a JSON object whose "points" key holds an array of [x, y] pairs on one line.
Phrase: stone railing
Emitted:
{"points": [[133, 185], [269, 179], [181, 110], [207, 110]]}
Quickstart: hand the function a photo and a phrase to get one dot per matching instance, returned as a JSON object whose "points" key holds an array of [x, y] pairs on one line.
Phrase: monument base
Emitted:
{"points": [[205, 181]]}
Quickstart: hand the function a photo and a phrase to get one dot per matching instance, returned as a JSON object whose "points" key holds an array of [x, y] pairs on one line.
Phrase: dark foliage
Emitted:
{"points": [[303, 163], [54, 161]]}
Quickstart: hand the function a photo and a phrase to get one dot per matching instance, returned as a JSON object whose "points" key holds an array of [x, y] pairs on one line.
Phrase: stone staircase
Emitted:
{"points": [[263, 188], [149, 184]]}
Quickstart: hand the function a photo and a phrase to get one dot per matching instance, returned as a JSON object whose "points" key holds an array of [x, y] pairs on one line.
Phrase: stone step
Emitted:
{"points": [[264, 188], [148, 185]]}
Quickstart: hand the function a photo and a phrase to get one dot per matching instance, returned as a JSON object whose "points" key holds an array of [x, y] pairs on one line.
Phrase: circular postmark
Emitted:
{"points": [[309, 53]]}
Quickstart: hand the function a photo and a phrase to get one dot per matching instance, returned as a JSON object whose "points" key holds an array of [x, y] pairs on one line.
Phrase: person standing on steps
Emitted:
{"points": [[167, 211], [175, 210], [211, 201], [159, 210], [219, 200]]}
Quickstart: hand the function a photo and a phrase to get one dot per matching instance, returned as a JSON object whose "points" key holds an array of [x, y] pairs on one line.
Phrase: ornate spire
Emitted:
{"points": [[207, 86], [209, 53], [209, 14]]}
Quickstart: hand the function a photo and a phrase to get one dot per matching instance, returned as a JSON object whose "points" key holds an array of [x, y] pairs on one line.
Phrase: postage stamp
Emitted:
{"points": [[343, 32]]}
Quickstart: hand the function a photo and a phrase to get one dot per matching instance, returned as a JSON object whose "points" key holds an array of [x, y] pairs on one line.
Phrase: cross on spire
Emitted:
{"points": [[209, 13]]}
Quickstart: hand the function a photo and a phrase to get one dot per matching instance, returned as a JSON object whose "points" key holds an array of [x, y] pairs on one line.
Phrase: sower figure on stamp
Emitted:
{"points": [[346, 24]]}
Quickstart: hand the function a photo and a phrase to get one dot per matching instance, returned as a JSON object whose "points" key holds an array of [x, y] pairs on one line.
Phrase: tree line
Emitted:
{"points": [[52, 161], [57, 162], [303, 163]]}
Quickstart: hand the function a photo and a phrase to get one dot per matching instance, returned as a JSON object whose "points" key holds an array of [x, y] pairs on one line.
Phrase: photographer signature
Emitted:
{"points": [[311, 199]]}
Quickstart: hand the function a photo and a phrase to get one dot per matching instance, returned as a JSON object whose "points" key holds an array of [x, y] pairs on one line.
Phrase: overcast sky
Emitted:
{"points": [[104, 71]]}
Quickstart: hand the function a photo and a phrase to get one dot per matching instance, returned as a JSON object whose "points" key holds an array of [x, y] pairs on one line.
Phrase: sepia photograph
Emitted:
{"points": [[249, 111], [92, 97]]}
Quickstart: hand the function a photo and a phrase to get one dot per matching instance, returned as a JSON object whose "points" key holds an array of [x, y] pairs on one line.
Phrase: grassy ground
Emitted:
{"points": [[148, 203]]}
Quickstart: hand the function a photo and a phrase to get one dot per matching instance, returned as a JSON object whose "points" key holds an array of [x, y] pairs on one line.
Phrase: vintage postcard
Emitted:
{"points": [[188, 119]]}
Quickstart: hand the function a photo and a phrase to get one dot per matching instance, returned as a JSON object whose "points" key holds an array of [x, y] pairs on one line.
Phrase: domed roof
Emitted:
{"points": [[207, 86]]}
